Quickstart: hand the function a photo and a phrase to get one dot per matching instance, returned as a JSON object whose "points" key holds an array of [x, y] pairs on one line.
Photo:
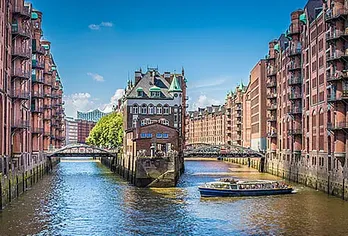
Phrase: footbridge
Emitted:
{"points": [[224, 150], [82, 150]]}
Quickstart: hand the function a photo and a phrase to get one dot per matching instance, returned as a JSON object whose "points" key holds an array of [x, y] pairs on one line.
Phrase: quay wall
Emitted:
{"points": [[332, 182], [17, 181]]}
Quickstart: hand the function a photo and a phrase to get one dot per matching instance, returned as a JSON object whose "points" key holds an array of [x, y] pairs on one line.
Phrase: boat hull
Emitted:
{"points": [[208, 192]]}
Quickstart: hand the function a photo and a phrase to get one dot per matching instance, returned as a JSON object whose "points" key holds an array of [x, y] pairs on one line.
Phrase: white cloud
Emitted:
{"points": [[107, 24], [113, 100], [98, 26], [78, 102], [96, 77], [203, 101], [94, 27], [84, 102]]}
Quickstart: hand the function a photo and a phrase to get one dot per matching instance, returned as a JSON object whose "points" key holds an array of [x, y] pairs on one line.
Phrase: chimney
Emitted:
{"points": [[167, 76], [138, 75]]}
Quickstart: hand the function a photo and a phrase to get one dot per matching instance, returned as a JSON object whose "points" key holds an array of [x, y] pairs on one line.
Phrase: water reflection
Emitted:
{"points": [[86, 199]]}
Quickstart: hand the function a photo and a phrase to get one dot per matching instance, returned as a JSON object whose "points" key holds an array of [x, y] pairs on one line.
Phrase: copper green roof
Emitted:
{"points": [[277, 47], [175, 86], [140, 89], [34, 16], [303, 18], [155, 89]]}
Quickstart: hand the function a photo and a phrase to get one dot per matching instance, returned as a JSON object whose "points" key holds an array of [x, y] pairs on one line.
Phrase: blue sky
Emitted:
{"points": [[97, 44]]}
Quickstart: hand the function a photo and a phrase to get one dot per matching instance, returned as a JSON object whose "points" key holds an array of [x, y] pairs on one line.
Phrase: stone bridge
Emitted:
{"points": [[82, 150], [225, 150]]}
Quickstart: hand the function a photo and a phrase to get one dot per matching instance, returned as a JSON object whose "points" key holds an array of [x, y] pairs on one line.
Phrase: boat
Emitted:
{"points": [[236, 188]]}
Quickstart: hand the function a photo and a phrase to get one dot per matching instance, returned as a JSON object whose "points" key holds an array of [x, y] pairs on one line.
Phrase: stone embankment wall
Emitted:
{"points": [[149, 172], [332, 183], [16, 182]]}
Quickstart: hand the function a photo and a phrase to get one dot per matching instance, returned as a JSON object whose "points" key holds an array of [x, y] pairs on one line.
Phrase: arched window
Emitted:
{"points": [[159, 110], [144, 109], [166, 110], [314, 131], [135, 109], [150, 109], [143, 122], [321, 129]]}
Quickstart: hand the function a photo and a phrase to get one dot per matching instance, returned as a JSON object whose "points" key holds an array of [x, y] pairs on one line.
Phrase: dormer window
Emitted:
{"points": [[140, 92], [155, 92]]}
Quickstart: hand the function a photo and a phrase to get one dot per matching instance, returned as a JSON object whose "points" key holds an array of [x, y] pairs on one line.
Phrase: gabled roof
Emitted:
{"points": [[150, 83]]}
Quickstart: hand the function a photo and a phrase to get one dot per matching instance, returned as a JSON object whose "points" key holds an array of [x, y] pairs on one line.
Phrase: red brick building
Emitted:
{"points": [[84, 127]]}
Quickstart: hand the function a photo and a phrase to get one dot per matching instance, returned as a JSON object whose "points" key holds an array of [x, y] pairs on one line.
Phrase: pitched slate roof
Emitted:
{"points": [[147, 82]]}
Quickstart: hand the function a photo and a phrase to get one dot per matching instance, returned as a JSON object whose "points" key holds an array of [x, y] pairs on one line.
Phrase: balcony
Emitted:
{"points": [[22, 53], [48, 72], [48, 95], [37, 94], [37, 130], [295, 81], [271, 119], [336, 14], [336, 55], [271, 84], [294, 132], [20, 74], [272, 134], [20, 124], [271, 95], [271, 72], [334, 98], [47, 106], [339, 126], [295, 52], [238, 108], [295, 110], [272, 106], [270, 58], [39, 50], [35, 79], [22, 11], [293, 29], [19, 94], [294, 67], [336, 35], [18, 30], [295, 96], [37, 64]]}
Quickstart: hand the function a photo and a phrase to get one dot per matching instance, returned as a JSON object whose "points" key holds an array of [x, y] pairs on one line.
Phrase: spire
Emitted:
{"points": [[175, 86]]}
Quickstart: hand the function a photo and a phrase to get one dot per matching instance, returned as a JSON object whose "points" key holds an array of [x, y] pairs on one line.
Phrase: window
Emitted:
{"points": [[140, 93], [148, 121], [166, 110], [155, 94], [143, 109], [150, 110], [149, 135], [159, 110], [158, 135], [142, 135], [134, 123], [143, 122], [165, 136], [164, 122], [135, 109]]}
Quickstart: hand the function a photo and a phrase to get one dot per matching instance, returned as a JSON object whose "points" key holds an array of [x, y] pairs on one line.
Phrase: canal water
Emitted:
{"points": [[85, 198]]}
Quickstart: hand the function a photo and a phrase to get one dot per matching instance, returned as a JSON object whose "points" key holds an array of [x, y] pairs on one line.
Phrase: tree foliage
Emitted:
{"points": [[108, 132]]}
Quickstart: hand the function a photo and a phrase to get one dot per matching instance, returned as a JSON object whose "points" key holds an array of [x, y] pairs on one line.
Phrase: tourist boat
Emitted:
{"points": [[235, 188]]}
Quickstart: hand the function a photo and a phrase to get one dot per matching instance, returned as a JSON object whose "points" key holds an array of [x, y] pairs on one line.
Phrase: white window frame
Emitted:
{"points": [[143, 122], [166, 110], [150, 110], [135, 109], [159, 110], [144, 110]]}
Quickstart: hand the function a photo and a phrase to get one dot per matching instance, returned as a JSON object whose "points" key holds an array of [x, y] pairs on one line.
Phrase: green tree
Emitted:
{"points": [[108, 132]]}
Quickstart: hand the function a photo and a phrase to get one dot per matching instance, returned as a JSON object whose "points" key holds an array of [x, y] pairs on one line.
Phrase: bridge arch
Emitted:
{"points": [[220, 150], [82, 150]]}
